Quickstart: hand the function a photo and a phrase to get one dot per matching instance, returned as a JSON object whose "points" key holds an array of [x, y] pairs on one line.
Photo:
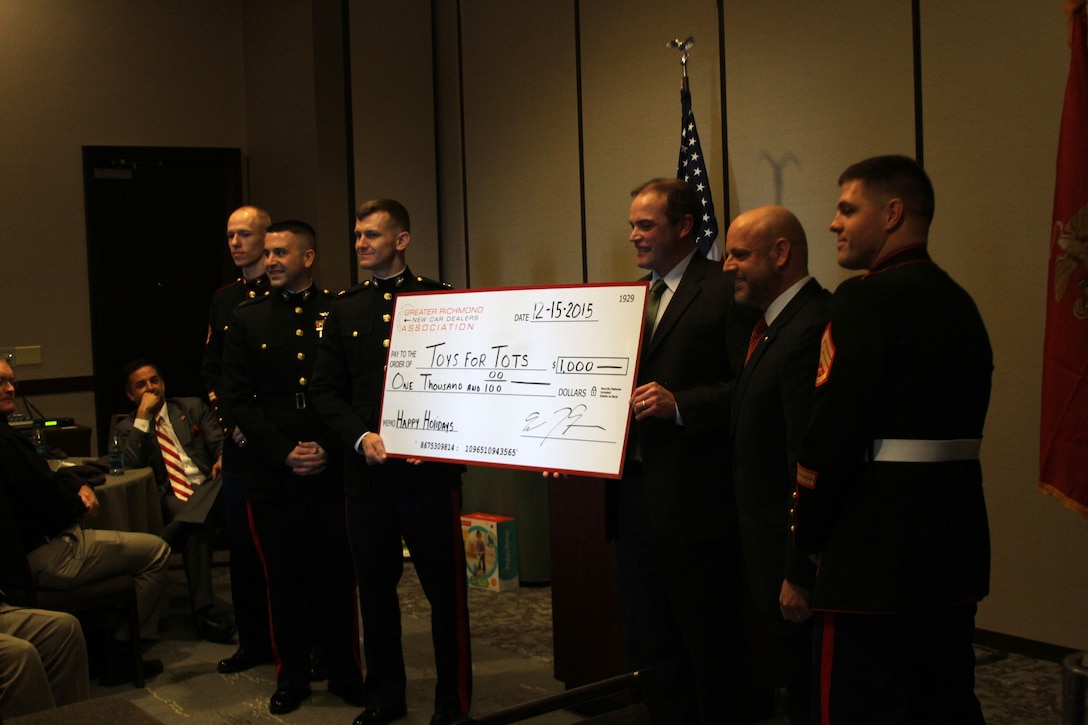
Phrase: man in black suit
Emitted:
{"points": [[676, 531], [767, 256], [182, 443]]}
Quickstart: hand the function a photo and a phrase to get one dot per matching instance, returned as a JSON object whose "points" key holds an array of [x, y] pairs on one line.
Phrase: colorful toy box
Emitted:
{"points": [[491, 551]]}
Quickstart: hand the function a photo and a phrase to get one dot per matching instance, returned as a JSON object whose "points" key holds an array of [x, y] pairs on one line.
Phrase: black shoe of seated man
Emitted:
{"points": [[212, 630], [353, 693], [318, 670], [445, 717], [242, 660], [120, 671], [380, 715], [287, 699]]}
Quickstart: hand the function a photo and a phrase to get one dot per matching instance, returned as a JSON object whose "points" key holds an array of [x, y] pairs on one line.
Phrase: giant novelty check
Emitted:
{"points": [[536, 378]]}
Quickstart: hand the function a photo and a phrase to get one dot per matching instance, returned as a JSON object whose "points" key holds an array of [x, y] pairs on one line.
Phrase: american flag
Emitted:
{"points": [[692, 168]]}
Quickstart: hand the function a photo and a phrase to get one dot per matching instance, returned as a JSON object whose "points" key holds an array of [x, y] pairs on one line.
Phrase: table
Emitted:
{"points": [[129, 502]]}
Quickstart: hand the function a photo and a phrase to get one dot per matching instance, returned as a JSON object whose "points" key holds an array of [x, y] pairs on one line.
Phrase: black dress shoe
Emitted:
{"points": [[445, 717], [241, 660], [287, 699], [213, 630], [353, 694], [380, 715]]}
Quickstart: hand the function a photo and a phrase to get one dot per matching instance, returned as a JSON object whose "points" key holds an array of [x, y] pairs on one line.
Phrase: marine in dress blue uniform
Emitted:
{"points": [[245, 240], [889, 494], [391, 498], [292, 478]]}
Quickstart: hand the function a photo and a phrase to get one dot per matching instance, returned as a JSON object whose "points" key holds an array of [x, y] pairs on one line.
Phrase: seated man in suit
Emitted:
{"points": [[182, 443], [43, 660], [41, 518]]}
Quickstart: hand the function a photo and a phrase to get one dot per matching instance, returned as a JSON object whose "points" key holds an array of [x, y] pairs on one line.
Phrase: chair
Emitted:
{"points": [[113, 592]]}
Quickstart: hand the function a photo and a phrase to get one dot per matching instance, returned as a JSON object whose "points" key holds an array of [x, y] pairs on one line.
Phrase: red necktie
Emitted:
{"points": [[757, 335], [178, 482]]}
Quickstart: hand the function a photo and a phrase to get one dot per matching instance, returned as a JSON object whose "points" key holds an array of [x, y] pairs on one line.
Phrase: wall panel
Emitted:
{"points": [[393, 115], [521, 140], [631, 107], [993, 90], [811, 88], [72, 74]]}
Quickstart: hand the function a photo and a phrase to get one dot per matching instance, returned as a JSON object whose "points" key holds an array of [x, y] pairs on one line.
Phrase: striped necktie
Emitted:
{"points": [[757, 335], [174, 470]]}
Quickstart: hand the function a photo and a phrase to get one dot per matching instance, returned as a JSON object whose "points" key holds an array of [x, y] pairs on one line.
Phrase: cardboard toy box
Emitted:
{"points": [[491, 551]]}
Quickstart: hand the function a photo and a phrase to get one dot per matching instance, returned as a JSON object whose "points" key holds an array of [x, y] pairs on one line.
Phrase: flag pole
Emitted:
{"points": [[683, 46], [691, 166]]}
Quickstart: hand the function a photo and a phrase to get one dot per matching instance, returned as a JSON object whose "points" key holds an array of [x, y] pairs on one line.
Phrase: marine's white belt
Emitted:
{"points": [[907, 450]]}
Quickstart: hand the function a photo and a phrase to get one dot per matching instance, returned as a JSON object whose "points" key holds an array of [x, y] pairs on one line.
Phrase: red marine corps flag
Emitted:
{"points": [[1063, 456]]}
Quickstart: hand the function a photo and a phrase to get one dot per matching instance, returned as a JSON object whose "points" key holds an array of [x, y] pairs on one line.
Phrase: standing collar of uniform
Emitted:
{"points": [[394, 282], [300, 296], [906, 255], [257, 283]]}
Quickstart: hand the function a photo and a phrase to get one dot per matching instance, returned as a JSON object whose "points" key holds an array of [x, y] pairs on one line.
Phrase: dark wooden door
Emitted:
{"points": [[156, 218]]}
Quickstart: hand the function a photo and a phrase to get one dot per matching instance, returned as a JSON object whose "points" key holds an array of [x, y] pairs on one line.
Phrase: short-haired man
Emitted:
{"points": [[182, 443], [889, 485], [46, 512], [676, 495], [767, 256], [292, 480], [388, 498], [246, 228]]}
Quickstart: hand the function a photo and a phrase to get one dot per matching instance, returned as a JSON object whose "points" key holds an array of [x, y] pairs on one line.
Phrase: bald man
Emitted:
{"points": [[246, 228], [767, 257]]}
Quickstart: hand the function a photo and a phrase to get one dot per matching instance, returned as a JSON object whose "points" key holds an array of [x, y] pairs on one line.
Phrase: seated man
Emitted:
{"points": [[41, 515], [43, 660], [182, 443]]}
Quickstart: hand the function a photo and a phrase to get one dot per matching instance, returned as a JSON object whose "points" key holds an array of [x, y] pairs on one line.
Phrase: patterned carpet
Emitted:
{"points": [[512, 649], [1013, 689]]}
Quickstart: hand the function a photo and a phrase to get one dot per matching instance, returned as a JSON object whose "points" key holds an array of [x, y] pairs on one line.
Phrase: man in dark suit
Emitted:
{"points": [[388, 498], [292, 478], [676, 531], [182, 443], [767, 256]]}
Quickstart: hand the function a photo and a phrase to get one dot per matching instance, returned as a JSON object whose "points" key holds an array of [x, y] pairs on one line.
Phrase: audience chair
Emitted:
{"points": [[115, 592]]}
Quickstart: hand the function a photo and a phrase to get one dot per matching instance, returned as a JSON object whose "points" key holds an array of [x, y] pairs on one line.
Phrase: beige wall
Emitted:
{"points": [[830, 86], [394, 117], [483, 144], [124, 72], [631, 108], [993, 84]]}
